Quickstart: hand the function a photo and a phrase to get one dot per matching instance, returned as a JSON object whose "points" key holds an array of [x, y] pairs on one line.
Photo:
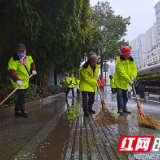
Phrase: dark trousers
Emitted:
{"points": [[21, 98], [113, 90], [122, 98], [101, 88], [68, 89], [78, 92], [87, 103]]}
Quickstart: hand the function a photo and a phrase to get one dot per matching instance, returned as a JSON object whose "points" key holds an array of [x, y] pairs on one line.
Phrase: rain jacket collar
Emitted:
{"points": [[86, 64], [130, 58]]}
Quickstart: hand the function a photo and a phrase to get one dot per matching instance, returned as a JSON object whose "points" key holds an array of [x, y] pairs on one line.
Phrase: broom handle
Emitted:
{"points": [[100, 93], [138, 103], [15, 90], [135, 92], [102, 101]]}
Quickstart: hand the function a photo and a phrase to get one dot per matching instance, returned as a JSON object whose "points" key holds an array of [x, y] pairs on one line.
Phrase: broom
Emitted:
{"points": [[14, 90], [144, 120], [105, 116]]}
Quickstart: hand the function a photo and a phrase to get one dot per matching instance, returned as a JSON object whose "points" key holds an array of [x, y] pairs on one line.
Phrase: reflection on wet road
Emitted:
{"points": [[57, 130]]}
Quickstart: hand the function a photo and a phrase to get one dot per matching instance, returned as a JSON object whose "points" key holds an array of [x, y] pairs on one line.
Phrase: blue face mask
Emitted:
{"points": [[20, 55]]}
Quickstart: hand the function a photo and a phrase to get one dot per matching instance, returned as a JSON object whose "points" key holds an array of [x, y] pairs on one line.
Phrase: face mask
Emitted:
{"points": [[21, 55]]}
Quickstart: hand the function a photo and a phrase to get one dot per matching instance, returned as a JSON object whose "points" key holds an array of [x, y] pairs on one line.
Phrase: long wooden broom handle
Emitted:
{"points": [[135, 92], [15, 90], [100, 93], [102, 101], [138, 103]]}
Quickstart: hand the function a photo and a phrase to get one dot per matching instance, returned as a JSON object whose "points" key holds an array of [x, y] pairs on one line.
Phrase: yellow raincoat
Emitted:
{"points": [[70, 82], [88, 79], [125, 69]]}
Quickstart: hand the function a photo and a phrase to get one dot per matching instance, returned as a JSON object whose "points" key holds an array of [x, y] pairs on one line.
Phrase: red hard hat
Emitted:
{"points": [[125, 50]]}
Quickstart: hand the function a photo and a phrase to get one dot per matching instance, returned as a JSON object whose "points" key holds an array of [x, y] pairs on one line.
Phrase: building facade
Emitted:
{"points": [[149, 41], [136, 54], [144, 42], [153, 55], [140, 43]]}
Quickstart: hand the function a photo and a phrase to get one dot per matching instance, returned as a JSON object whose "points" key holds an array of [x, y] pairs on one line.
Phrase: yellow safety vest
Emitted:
{"points": [[20, 71]]}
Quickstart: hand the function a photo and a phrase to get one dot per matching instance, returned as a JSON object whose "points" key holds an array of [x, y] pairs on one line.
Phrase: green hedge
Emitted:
{"points": [[30, 96], [54, 89], [31, 92]]}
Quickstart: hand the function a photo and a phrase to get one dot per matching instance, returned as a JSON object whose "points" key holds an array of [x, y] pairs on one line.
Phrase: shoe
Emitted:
{"points": [[24, 114], [86, 114], [92, 111], [126, 111], [18, 113], [120, 111]]}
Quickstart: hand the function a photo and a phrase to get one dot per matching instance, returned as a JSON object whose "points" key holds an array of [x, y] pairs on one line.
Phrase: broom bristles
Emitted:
{"points": [[144, 120], [148, 121], [106, 117]]}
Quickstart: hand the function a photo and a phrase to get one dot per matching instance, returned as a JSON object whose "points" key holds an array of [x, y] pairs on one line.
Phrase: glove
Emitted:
{"points": [[131, 83], [19, 83], [132, 78], [34, 72]]}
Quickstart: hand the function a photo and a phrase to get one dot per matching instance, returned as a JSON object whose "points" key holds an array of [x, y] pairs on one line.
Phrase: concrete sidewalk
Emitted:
{"points": [[48, 135]]}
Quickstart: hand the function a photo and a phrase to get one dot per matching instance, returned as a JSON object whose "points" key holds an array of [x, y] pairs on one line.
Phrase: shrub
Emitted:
{"points": [[31, 92], [54, 89]]}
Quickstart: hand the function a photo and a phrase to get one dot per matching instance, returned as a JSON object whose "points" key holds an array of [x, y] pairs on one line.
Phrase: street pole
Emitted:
{"points": [[105, 73], [101, 67]]}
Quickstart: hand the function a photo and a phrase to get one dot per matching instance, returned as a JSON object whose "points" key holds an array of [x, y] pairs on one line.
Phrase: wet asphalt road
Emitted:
{"points": [[48, 135]]}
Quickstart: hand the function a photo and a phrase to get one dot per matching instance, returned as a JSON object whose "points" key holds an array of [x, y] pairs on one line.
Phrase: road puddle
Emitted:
{"points": [[53, 146]]}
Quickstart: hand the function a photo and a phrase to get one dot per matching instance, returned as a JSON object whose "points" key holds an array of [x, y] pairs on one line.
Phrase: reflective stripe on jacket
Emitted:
{"points": [[70, 82], [88, 79], [20, 71], [125, 69]]}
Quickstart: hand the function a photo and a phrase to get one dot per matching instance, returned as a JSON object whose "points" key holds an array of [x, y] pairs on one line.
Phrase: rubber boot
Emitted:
{"points": [[17, 111], [24, 114]]}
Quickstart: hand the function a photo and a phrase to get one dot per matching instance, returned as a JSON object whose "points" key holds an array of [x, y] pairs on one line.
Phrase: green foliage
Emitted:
{"points": [[7, 89], [108, 30], [31, 92], [13, 98], [54, 89], [56, 33]]}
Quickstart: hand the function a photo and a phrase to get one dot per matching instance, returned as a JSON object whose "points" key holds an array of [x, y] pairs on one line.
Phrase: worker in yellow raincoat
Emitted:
{"points": [[19, 67], [88, 82], [125, 73], [70, 80]]}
